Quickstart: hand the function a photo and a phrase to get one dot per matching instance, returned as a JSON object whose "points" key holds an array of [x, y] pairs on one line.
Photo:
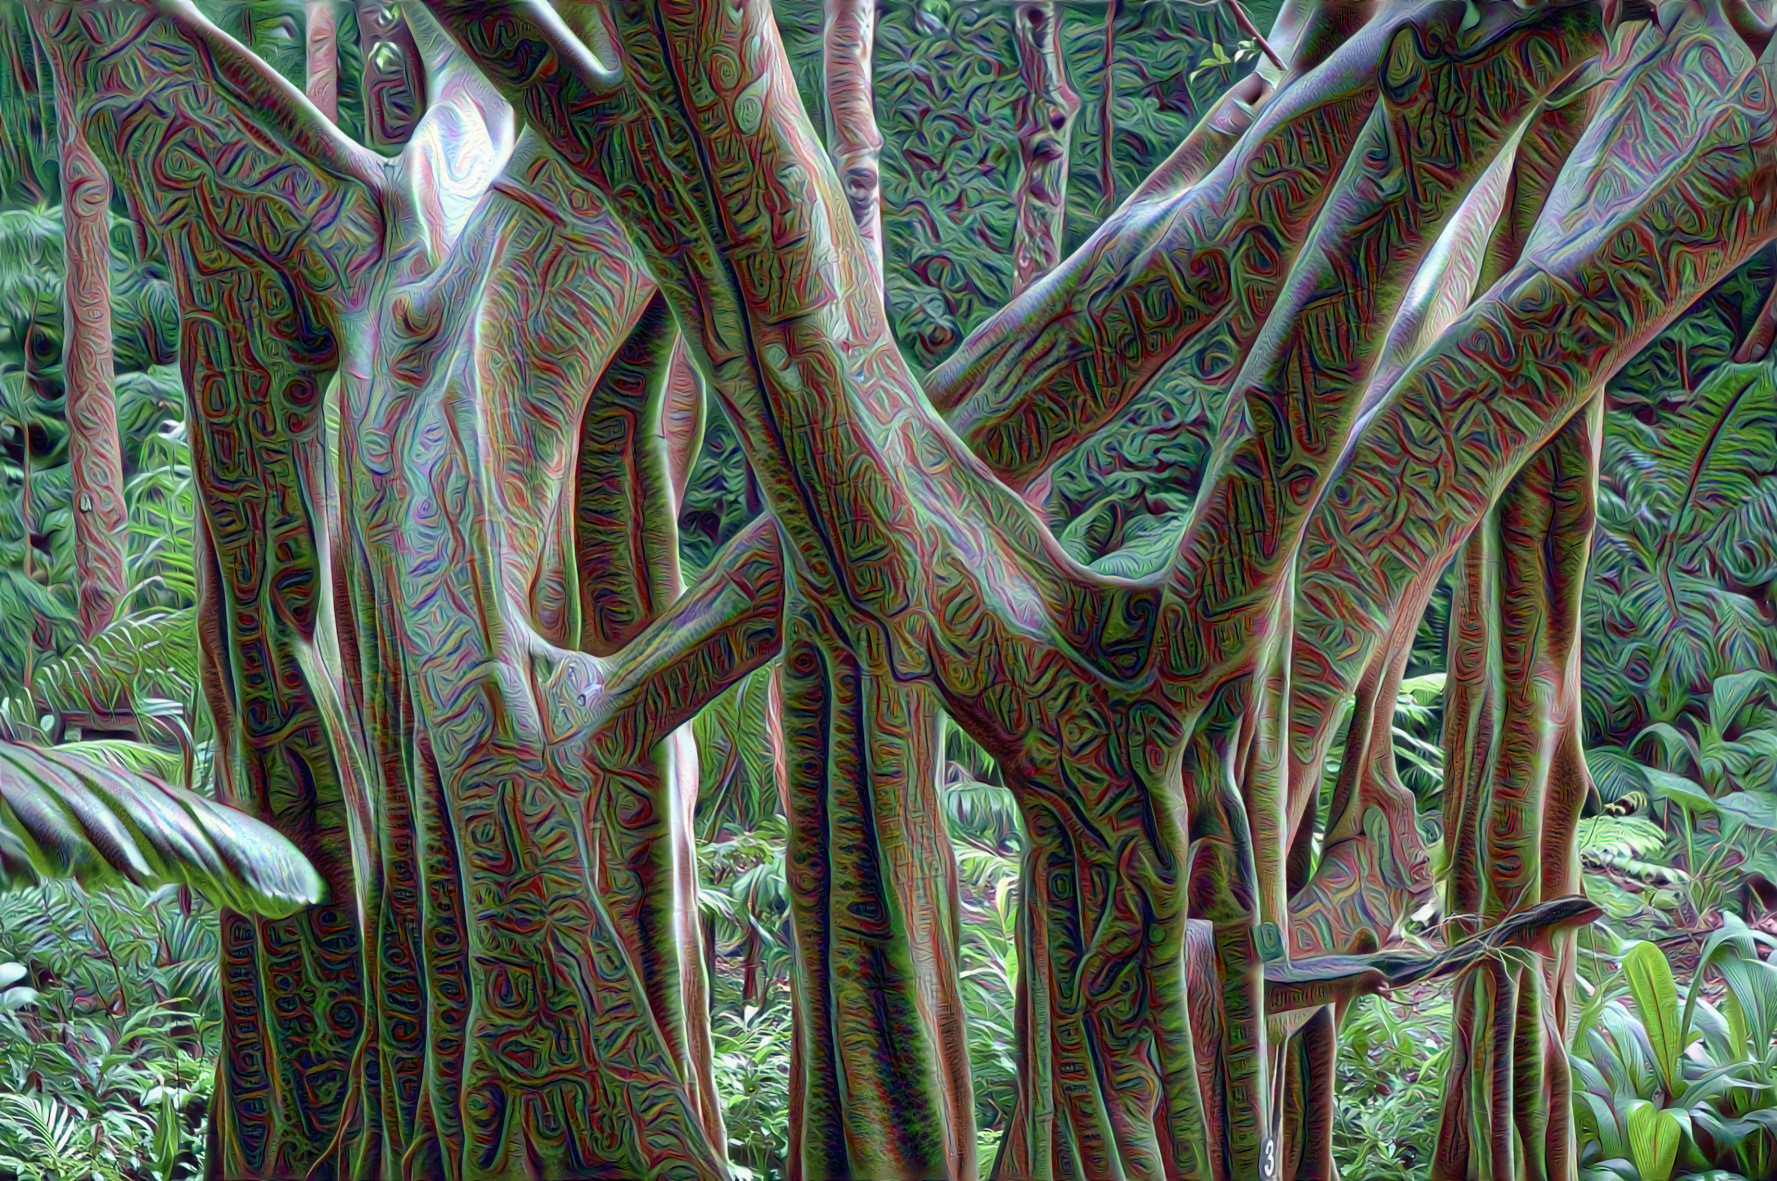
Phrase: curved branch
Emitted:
{"points": [[1303, 388], [1628, 239]]}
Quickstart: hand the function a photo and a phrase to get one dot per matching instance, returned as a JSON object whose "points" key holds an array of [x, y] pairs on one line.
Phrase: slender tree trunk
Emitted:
{"points": [[1046, 111], [393, 86], [322, 86], [1107, 115], [101, 519], [848, 36]]}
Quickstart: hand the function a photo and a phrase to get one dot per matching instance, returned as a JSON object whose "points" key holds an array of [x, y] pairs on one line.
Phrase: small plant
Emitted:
{"points": [[1668, 1089], [1393, 1055]]}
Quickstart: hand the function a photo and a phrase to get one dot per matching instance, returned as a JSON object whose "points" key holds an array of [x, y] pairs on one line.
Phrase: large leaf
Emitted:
{"points": [[1653, 1140], [1731, 693], [1717, 449], [1733, 939], [1756, 808], [1615, 773], [1656, 1003], [62, 816], [1686, 793]]}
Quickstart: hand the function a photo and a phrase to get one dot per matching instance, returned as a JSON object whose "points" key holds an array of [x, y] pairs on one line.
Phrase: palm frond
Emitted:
{"points": [[62, 816]]}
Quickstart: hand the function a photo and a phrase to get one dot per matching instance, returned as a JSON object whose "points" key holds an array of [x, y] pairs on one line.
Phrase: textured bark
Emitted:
{"points": [[1046, 111], [848, 36], [393, 83], [95, 453], [322, 38], [1107, 114], [1515, 783], [293, 996], [1329, 663], [492, 797]]}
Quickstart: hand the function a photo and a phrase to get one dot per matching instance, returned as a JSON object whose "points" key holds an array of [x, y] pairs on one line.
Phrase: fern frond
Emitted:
{"points": [[1620, 836], [152, 651]]}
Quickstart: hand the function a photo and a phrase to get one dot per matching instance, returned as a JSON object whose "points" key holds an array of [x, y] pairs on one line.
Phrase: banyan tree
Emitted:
{"points": [[442, 412]]}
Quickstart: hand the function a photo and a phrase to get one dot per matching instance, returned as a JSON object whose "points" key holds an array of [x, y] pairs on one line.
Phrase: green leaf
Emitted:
{"points": [[1672, 741], [156, 650], [1656, 1003], [166, 1138], [1736, 939], [1755, 808], [1653, 1140], [1615, 773], [1731, 693], [61, 816], [1685, 793]]}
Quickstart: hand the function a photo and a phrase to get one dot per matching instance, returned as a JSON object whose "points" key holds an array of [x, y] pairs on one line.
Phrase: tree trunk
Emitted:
{"points": [[1107, 115], [457, 703], [848, 35], [101, 519], [393, 85], [1515, 782], [1046, 111], [322, 31]]}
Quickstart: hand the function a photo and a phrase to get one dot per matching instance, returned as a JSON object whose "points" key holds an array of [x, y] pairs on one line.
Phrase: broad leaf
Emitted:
{"points": [[1656, 1003], [65, 817], [1653, 1140], [1730, 694], [1756, 808], [1686, 793], [1615, 773]]}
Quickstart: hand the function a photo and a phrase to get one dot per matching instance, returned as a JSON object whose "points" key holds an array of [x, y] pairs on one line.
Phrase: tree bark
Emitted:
{"points": [[255, 362], [322, 36], [95, 453], [489, 797], [1515, 782], [1046, 111], [848, 36], [1107, 115], [393, 84]]}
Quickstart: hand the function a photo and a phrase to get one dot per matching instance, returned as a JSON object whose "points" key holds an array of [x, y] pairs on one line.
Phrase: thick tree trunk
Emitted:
{"points": [[1514, 785], [95, 453], [490, 799], [1046, 111], [322, 36]]}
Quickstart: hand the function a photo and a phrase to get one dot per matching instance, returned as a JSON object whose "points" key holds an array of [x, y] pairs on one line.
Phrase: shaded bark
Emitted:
{"points": [[510, 829], [1515, 783], [848, 36], [1046, 111], [95, 453], [1107, 114], [393, 83], [250, 338]]}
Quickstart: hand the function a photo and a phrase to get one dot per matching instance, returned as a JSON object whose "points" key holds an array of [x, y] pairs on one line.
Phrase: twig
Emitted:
{"points": [[1245, 23]]}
